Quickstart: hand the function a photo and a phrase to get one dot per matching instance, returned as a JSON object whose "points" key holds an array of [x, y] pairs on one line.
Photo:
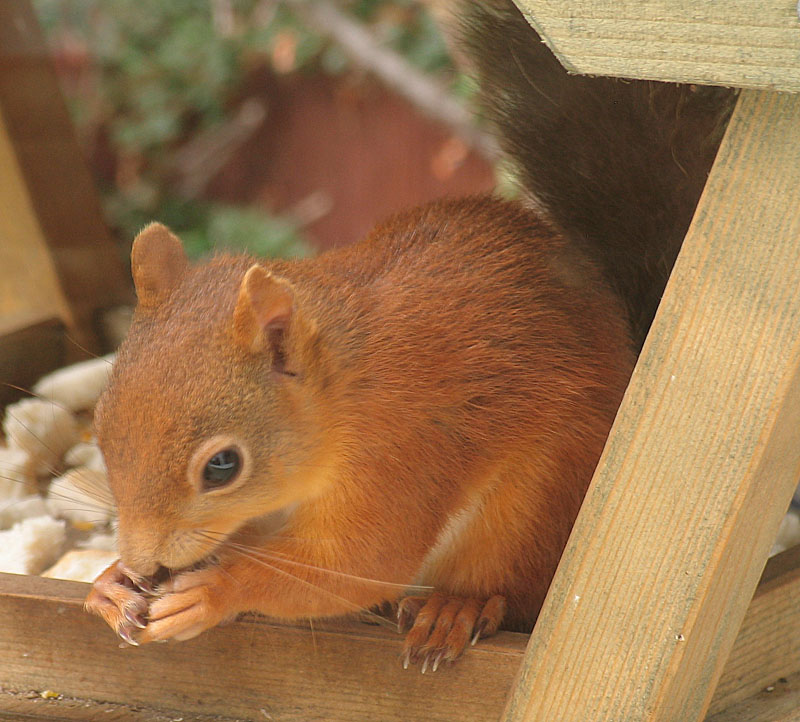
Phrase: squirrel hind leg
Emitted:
{"points": [[441, 627]]}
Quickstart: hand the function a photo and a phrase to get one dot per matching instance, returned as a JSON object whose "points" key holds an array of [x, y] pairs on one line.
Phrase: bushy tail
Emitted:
{"points": [[619, 165]]}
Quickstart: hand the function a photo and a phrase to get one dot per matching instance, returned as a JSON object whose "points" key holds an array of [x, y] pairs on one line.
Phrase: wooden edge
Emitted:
{"points": [[30, 346], [335, 671], [48, 705], [753, 45], [61, 191]]}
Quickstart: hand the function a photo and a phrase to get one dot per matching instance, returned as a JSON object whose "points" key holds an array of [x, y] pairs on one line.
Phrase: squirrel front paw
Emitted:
{"points": [[439, 627], [120, 597], [188, 604], [141, 612]]}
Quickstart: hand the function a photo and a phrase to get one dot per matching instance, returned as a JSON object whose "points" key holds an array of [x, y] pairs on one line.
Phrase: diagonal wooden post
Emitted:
{"points": [[700, 464]]}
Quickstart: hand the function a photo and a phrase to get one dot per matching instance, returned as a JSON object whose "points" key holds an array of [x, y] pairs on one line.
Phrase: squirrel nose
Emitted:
{"points": [[137, 560], [140, 568]]}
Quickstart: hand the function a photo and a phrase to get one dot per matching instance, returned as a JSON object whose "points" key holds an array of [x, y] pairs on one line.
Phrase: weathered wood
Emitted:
{"points": [[700, 464], [55, 184], [30, 706], [748, 43], [337, 672], [30, 346], [778, 702], [29, 284], [333, 672], [767, 647]]}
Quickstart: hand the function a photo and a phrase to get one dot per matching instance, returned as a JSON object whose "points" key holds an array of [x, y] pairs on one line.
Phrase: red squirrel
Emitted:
{"points": [[424, 408]]}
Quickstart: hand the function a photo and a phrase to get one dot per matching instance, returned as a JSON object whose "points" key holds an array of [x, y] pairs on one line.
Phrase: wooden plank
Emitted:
{"points": [[747, 43], [767, 647], [31, 706], [340, 671], [778, 702], [701, 463], [346, 672], [25, 263], [30, 347], [57, 183]]}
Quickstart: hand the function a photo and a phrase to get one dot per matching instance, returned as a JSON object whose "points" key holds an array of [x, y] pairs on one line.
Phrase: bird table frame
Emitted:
{"points": [[662, 607]]}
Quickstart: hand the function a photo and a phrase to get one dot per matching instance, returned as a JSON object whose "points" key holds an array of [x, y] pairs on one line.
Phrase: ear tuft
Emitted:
{"points": [[263, 312], [158, 263]]}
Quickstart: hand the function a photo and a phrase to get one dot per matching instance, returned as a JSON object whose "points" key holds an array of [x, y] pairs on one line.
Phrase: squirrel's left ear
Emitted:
{"points": [[263, 313], [158, 263]]}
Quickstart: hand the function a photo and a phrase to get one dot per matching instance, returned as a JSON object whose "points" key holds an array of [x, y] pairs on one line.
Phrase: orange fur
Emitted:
{"points": [[451, 381]]}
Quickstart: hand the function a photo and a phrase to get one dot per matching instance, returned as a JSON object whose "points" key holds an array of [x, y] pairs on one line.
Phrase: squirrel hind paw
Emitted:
{"points": [[442, 627]]}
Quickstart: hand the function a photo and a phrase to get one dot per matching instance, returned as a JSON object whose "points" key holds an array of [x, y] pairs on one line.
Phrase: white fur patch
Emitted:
{"points": [[452, 531]]}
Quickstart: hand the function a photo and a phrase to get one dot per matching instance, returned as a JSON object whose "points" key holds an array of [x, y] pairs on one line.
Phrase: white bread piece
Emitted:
{"points": [[788, 533], [81, 495], [31, 545], [86, 454], [76, 387], [15, 510], [17, 478], [100, 542], [41, 428], [81, 565]]}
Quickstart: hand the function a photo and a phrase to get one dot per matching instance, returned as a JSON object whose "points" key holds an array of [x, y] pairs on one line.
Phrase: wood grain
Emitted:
{"points": [[767, 647], [57, 185], [29, 285], [345, 671], [747, 43], [701, 463], [778, 702]]}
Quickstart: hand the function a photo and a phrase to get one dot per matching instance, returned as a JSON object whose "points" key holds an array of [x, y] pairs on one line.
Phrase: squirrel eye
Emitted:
{"points": [[221, 469]]}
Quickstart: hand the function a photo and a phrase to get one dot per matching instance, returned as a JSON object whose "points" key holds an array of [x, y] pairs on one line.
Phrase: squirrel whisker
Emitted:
{"points": [[327, 592], [255, 552]]}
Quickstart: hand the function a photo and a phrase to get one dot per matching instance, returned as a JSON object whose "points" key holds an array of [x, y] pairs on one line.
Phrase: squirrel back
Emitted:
{"points": [[617, 164]]}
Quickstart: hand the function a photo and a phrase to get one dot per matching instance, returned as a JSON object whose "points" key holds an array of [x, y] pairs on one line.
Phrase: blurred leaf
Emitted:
{"points": [[163, 71]]}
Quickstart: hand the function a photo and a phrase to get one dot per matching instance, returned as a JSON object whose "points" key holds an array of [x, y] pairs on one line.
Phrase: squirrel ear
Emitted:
{"points": [[263, 312], [158, 262]]}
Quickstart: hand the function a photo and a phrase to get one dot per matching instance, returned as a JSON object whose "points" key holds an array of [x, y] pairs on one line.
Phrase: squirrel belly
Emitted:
{"points": [[425, 407]]}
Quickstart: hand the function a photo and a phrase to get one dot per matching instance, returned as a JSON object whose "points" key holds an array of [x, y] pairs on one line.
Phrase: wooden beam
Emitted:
{"points": [[767, 647], [30, 346], [56, 182], [336, 672], [25, 263], [701, 463], [777, 702], [345, 671], [748, 43]]}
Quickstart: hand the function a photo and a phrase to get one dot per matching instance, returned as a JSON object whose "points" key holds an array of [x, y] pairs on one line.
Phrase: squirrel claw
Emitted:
{"points": [[135, 619], [443, 627], [425, 664], [114, 598], [124, 634]]}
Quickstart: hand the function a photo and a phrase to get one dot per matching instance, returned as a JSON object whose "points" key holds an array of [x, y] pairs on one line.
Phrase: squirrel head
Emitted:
{"points": [[208, 422]]}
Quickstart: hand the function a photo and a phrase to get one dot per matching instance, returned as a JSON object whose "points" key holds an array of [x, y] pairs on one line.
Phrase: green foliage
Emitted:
{"points": [[206, 227], [161, 72], [231, 228]]}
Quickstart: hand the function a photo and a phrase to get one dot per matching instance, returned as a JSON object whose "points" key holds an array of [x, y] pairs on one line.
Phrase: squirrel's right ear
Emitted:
{"points": [[263, 313], [158, 263]]}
